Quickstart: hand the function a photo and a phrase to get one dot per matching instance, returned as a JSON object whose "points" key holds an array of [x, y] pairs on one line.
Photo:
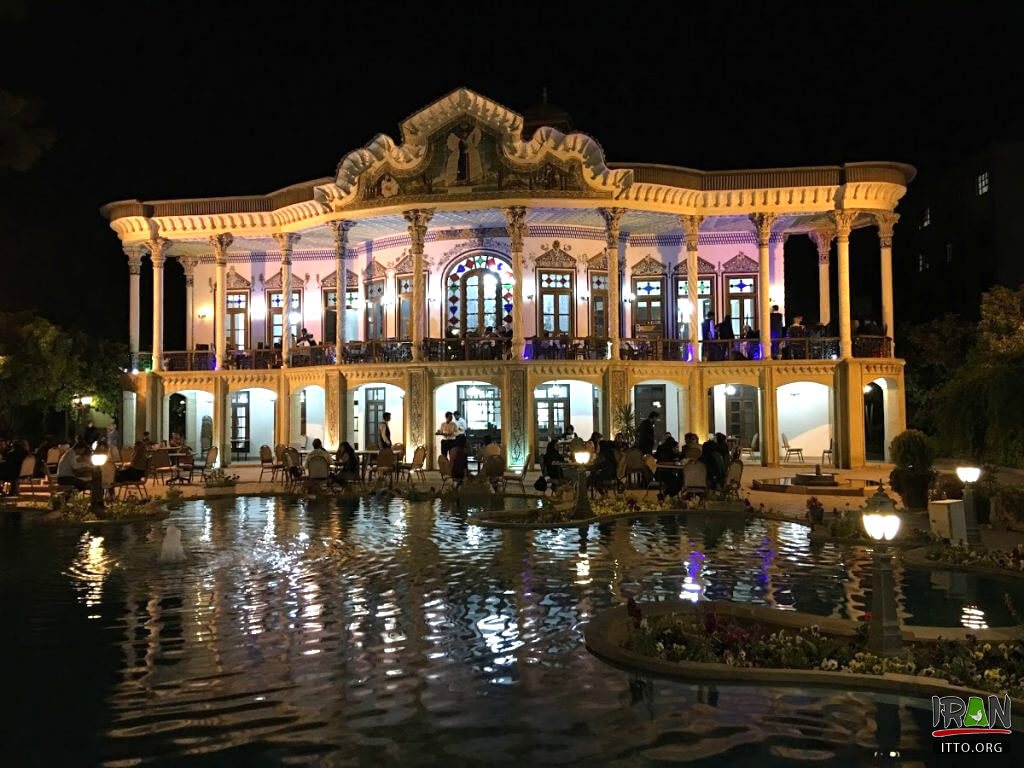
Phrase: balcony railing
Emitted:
{"points": [[558, 348]]}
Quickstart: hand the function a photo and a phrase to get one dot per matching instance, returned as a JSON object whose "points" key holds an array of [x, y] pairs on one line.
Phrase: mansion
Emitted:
{"points": [[519, 278]]}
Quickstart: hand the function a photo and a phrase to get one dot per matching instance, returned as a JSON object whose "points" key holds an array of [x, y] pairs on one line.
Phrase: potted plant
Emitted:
{"points": [[913, 454], [624, 422]]}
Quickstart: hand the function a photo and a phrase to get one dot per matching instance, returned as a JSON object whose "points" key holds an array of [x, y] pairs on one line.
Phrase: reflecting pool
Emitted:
{"points": [[331, 632]]}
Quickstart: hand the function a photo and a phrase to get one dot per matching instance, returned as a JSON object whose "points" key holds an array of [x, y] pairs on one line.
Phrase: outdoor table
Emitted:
{"points": [[176, 458]]}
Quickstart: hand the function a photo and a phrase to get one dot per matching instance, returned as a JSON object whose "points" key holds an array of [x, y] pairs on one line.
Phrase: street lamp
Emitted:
{"points": [[96, 490], [582, 459], [969, 476], [882, 523]]}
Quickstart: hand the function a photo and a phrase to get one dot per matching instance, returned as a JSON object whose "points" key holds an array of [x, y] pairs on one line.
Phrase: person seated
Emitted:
{"points": [[715, 464], [551, 462], [489, 448], [135, 471], [10, 466], [605, 470], [570, 433], [671, 479], [72, 464], [594, 443], [318, 450], [347, 465], [459, 459], [691, 447]]}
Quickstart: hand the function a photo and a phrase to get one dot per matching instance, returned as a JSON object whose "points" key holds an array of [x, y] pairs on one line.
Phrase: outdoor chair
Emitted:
{"points": [[444, 468], [268, 464], [635, 467], [494, 471], [650, 482], [695, 480], [385, 466], [733, 480], [318, 472], [828, 452], [791, 451], [749, 451], [518, 476], [160, 465], [204, 468], [419, 458], [53, 456]]}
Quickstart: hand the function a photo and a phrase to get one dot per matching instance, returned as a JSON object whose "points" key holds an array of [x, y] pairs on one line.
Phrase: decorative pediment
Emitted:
{"points": [[331, 281], [465, 143], [235, 281], [599, 262], [556, 257], [273, 283], [740, 263], [649, 265], [404, 264], [374, 270], [704, 267]]}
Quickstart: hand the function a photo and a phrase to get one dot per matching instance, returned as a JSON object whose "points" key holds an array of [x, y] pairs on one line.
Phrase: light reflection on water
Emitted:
{"points": [[387, 634]]}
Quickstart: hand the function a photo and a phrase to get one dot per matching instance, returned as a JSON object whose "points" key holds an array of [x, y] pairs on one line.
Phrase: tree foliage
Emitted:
{"points": [[964, 380], [43, 366]]}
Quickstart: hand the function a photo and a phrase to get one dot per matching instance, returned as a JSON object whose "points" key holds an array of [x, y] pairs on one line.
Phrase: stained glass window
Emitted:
{"points": [[276, 324], [648, 308], [741, 285], [741, 304], [599, 304], [647, 288], [479, 295], [375, 310], [703, 288], [598, 281], [556, 301], [237, 321], [705, 305]]}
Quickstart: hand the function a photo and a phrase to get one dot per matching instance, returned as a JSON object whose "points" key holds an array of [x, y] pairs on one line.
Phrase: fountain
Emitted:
{"points": [[816, 482], [816, 478], [171, 551]]}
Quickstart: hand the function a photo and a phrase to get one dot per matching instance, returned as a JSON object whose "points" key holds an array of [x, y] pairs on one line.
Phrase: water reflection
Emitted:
{"points": [[382, 632]]}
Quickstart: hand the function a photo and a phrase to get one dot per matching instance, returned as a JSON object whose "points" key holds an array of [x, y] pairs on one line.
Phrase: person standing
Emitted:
{"points": [[384, 432], [460, 423], [448, 431], [645, 433], [707, 334], [776, 327]]}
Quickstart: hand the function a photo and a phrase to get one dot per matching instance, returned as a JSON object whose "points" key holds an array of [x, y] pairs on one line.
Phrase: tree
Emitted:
{"points": [[22, 139]]}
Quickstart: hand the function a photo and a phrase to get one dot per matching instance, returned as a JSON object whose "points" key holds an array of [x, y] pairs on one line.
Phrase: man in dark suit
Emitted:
{"points": [[645, 433], [776, 327], [707, 330]]}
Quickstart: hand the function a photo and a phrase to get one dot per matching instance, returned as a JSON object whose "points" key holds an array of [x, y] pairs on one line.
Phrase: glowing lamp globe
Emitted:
{"points": [[881, 521], [582, 457], [98, 459], [968, 474]]}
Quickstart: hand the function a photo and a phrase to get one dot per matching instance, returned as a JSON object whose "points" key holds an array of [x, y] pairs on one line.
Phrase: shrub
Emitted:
{"points": [[912, 449], [947, 486]]}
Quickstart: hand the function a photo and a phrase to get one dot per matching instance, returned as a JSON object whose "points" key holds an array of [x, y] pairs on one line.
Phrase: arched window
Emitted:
{"points": [[479, 295]]}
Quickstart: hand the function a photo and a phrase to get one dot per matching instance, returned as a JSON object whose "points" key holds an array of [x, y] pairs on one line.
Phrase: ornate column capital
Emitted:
{"points": [[134, 254], [157, 248], [418, 219], [823, 238], [189, 264], [339, 229], [763, 227], [886, 220], [691, 230], [844, 223], [285, 242], [612, 225], [220, 244], [515, 224]]}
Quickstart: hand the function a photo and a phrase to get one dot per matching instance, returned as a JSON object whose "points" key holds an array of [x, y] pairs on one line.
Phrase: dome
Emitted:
{"points": [[545, 113]]}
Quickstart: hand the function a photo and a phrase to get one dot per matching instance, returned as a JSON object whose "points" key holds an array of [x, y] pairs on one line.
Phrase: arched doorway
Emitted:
{"points": [[252, 420], [189, 413], [563, 402], [735, 411], [805, 411], [881, 418], [306, 421], [367, 405], [478, 295], [479, 403], [665, 398]]}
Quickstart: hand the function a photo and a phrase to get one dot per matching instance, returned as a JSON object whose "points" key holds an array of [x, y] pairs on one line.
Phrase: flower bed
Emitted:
{"points": [[77, 510], [561, 511], [704, 636], [1000, 559]]}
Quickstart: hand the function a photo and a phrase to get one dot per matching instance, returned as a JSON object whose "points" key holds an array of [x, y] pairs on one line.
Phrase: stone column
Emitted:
{"points": [[221, 421], [188, 264], [886, 221], [157, 254], [691, 227], [340, 230], [134, 254], [823, 239], [284, 409], [515, 225], [844, 224], [220, 244], [612, 229], [285, 242], [769, 435], [418, 218], [763, 226]]}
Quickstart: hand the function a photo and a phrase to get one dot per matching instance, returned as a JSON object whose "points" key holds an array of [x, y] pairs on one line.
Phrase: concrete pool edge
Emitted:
{"points": [[606, 631], [916, 558]]}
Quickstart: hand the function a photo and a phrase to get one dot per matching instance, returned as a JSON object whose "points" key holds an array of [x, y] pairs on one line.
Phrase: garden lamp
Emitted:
{"points": [[969, 476], [96, 489], [882, 523]]}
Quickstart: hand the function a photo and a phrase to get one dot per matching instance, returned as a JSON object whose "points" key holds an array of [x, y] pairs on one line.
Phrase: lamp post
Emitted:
{"points": [[96, 490], [582, 507], [882, 523], [969, 476]]}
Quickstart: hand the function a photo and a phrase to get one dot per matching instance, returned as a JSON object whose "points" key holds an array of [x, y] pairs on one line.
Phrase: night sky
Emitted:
{"points": [[155, 100]]}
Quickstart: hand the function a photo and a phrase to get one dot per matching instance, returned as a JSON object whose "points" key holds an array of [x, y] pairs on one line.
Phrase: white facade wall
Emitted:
{"points": [[804, 418]]}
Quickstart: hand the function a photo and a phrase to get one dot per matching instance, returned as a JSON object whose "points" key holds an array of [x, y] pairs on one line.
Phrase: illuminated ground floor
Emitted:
{"points": [[829, 412]]}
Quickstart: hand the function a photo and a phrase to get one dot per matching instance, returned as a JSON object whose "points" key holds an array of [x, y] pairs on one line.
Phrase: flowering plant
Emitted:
{"points": [[218, 478]]}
